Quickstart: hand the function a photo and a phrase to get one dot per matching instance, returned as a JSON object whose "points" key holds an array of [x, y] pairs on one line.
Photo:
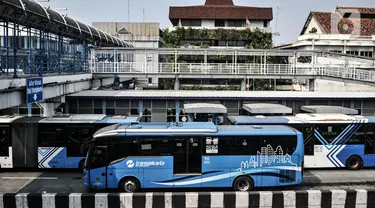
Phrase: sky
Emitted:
{"points": [[289, 20]]}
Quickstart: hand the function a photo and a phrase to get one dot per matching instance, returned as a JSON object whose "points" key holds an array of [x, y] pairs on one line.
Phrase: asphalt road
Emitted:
{"points": [[72, 182]]}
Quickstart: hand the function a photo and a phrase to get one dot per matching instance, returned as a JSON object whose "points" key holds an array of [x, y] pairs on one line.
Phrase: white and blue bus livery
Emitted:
{"points": [[52, 142], [331, 140], [187, 155]]}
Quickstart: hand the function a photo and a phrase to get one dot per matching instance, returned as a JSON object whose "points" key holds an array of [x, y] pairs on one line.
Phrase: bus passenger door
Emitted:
{"points": [[187, 161], [309, 142], [194, 156], [369, 159], [98, 168]]}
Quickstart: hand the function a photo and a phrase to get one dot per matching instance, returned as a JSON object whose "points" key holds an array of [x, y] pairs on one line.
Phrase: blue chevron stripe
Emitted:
{"points": [[343, 140], [320, 138], [341, 134], [44, 153], [337, 147]]}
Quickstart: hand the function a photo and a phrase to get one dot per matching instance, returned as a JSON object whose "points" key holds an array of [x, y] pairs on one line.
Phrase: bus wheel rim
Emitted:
{"points": [[354, 163], [243, 185], [130, 186]]}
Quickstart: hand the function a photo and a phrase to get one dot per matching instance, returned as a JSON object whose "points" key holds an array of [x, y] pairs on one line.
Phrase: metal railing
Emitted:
{"points": [[337, 71]]}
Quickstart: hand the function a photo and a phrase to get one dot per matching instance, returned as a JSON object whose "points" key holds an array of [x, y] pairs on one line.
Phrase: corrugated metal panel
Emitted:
{"points": [[140, 30], [141, 94]]}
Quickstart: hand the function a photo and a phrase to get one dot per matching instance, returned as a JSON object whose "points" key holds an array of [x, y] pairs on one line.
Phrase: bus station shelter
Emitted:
{"points": [[328, 109], [203, 111], [267, 108]]}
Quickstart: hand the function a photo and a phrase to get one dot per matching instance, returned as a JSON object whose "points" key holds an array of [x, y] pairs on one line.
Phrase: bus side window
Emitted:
{"points": [[51, 135], [358, 137], [240, 145], [119, 149], [99, 157], [281, 145], [4, 141], [73, 142], [309, 140], [157, 146], [330, 131]]}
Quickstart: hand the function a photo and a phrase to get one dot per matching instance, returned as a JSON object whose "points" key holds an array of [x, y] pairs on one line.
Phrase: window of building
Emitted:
{"points": [[236, 23], [265, 23], [355, 53], [219, 23], [366, 53], [335, 51], [191, 22]]}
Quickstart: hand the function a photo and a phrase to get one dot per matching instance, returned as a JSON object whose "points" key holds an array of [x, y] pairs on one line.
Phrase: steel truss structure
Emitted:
{"points": [[36, 40]]}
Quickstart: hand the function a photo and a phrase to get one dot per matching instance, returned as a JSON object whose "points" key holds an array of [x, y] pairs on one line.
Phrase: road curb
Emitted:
{"points": [[255, 199]]}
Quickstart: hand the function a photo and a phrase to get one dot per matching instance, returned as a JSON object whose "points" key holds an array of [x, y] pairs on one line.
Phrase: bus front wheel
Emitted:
{"points": [[129, 184], [243, 183], [354, 163]]}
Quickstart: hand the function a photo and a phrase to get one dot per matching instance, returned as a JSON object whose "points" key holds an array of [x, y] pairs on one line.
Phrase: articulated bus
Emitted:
{"points": [[52, 142], [331, 140], [194, 155]]}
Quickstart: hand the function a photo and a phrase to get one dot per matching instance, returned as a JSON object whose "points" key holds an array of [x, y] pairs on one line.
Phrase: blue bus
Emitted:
{"points": [[331, 140], [194, 155], [52, 142]]}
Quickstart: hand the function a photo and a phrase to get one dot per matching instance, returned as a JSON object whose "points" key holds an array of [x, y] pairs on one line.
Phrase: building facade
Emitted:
{"points": [[220, 14], [347, 30], [140, 35]]}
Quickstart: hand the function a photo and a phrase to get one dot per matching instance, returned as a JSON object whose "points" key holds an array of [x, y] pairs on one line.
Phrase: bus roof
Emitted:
{"points": [[193, 128], [299, 118], [119, 119], [89, 118], [9, 118]]}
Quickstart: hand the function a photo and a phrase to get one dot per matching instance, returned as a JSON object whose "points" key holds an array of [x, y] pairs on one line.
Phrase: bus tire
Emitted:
{"points": [[243, 183], [354, 163], [129, 184]]}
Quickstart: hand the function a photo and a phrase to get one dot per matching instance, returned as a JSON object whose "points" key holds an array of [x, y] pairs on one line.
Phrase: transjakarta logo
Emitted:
{"points": [[130, 163]]}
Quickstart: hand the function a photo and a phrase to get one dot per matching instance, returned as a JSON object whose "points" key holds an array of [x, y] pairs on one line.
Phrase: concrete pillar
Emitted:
{"points": [[243, 85], [311, 84], [177, 84], [48, 108], [177, 110], [141, 108]]}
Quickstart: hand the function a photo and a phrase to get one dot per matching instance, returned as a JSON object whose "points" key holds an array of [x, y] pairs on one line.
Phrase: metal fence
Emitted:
{"points": [[337, 71]]}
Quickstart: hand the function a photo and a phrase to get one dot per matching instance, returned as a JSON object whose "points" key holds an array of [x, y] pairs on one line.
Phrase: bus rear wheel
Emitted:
{"points": [[130, 185], [243, 183], [354, 163]]}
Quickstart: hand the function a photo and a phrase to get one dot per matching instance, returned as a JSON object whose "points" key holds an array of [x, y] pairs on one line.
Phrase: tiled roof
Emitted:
{"points": [[220, 9], [219, 2], [333, 23], [361, 10]]}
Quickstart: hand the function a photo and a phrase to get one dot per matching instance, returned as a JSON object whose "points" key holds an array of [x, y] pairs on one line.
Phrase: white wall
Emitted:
{"points": [[210, 24], [335, 86], [255, 23], [313, 23]]}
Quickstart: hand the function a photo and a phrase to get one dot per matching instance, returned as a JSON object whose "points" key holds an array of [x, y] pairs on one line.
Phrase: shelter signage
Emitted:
{"points": [[34, 90]]}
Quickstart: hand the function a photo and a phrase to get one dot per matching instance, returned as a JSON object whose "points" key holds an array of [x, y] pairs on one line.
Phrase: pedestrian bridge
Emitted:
{"points": [[232, 71], [239, 64]]}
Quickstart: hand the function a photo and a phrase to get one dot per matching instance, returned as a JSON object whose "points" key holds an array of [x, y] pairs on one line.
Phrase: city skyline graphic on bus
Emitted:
{"points": [[268, 156]]}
